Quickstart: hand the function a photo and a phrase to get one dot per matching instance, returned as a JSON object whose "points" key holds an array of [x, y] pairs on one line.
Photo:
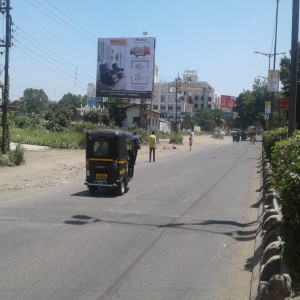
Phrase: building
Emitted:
{"points": [[142, 117], [184, 95]]}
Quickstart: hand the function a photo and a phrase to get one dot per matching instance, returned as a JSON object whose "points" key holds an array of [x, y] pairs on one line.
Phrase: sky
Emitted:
{"points": [[55, 41]]}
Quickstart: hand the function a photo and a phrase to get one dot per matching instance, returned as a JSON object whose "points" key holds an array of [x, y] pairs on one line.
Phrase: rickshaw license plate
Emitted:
{"points": [[101, 176]]}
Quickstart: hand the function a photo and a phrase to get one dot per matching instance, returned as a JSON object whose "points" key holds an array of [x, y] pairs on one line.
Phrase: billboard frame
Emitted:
{"points": [[125, 67]]}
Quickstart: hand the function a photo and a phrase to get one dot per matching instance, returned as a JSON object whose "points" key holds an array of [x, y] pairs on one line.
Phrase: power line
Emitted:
{"points": [[60, 21], [66, 16], [55, 57], [61, 41]]}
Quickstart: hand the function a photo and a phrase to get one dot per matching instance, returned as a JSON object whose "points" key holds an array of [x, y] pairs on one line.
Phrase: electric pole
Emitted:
{"points": [[5, 8], [294, 62]]}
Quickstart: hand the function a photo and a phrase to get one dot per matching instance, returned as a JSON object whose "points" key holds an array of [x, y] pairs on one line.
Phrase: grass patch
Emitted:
{"points": [[67, 139]]}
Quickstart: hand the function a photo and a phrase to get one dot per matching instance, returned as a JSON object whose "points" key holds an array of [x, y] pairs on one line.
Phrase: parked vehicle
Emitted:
{"points": [[109, 159]]}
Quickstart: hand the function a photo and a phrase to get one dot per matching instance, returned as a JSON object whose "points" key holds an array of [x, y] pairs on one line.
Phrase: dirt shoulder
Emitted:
{"points": [[50, 167]]}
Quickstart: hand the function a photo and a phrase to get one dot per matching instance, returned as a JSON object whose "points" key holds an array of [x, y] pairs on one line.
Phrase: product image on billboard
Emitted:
{"points": [[227, 101], [125, 67]]}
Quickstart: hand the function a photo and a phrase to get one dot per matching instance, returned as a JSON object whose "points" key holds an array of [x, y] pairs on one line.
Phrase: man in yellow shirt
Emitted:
{"points": [[152, 146]]}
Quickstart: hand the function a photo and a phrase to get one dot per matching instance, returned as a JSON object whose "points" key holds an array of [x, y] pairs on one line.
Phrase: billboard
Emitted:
{"points": [[267, 107], [283, 103], [273, 81], [227, 101], [125, 67]]}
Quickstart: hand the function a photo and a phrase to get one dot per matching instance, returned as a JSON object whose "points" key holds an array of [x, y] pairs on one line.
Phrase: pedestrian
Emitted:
{"points": [[137, 145], [191, 141], [152, 146], [193, 135]]}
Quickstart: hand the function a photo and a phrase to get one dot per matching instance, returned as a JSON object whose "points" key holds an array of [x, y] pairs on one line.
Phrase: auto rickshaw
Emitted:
{"points": [[109, 159], [236, 136]]}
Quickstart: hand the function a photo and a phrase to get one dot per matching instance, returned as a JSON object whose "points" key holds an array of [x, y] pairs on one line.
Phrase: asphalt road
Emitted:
{"points": [[184, 230]]}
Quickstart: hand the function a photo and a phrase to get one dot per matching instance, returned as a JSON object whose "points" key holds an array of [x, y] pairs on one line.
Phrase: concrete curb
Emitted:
{"points": [[269, 279]]}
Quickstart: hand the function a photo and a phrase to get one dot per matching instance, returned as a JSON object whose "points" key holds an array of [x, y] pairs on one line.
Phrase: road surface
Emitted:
{"points": [[184, 230]]}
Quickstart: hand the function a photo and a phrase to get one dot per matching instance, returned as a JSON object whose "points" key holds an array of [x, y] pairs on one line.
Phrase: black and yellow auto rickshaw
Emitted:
{"points": [[109, 159], [236, 136]]}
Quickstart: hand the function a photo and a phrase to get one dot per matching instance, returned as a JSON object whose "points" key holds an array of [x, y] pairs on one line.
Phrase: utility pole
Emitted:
{"points": [[293, 81], [274, 65], [177, 84], [5, 8]]}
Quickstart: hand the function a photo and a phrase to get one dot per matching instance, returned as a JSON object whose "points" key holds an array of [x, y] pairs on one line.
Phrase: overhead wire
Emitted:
{"points": [[29, 52], [66, 16], [51, 54], [47, 57], [60, 21]]}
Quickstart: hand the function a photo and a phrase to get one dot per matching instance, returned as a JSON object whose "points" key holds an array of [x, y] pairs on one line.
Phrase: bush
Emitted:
{"points": [[271, 137], [13, 158], [285, 163], [176, 139]]}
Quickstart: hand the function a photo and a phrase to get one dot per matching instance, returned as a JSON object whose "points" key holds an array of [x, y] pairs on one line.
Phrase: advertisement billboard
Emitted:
{"points": [[273, 81], [267, 107], [227, 101], [283, 103], [125, 67]]}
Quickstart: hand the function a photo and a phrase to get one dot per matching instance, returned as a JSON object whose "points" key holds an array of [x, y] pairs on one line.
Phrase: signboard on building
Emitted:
{"points": [[227, 101], [283, 103], [273, 81], [125, 67]]}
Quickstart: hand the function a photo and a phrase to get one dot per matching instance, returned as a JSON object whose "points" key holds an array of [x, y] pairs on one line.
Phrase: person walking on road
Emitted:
{"points": [[137, 145], [191, 141], [152, 146]]}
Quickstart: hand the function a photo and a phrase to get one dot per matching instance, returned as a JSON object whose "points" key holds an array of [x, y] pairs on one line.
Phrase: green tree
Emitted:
{"points": [[250, 105], [117, 110], [36, 101], [70, 100], [209, 118], [187, 122]]}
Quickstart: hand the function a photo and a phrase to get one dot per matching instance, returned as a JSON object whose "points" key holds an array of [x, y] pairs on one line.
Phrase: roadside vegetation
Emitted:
{"points": [[284, 157]]}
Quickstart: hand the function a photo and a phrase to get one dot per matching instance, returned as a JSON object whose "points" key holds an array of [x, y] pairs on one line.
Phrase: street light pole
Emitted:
{"points": [[176, 99], [269, 55]]}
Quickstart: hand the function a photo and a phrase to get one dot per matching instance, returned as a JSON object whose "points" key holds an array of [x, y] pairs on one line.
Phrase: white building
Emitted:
{"points": [[192, 95]]}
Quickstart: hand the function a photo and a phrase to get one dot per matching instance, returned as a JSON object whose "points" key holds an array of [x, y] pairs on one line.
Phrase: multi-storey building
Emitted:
{"points": [[185, 95]]}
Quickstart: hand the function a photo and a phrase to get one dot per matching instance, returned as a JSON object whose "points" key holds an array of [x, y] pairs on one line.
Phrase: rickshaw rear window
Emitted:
{"points": [[101, 148]]}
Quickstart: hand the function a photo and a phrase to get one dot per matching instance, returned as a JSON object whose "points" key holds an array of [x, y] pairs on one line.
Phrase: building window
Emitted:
{"points": [[209, 98], [196, 105], [170, 107], [163, 98], [162, 107], [196, 98], [202, 98], [155, 107]]}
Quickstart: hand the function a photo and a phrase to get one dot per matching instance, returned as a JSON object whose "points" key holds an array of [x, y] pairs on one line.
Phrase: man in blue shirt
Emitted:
{"points": [[137, 145]]}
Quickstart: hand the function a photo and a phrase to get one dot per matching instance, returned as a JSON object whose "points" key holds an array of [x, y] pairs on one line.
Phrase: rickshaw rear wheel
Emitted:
{"points": [[121, 188], [92, 189]]}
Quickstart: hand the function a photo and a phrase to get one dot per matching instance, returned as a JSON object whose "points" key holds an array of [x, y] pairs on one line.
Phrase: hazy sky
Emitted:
{"points": [[55, 41]]}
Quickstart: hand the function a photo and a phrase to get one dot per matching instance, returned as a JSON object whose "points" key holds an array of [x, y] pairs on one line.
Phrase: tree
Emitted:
{"points": [[36, 101], [187, 122], [250, 105], [70, 100], [209, 118], [117, 110]]}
